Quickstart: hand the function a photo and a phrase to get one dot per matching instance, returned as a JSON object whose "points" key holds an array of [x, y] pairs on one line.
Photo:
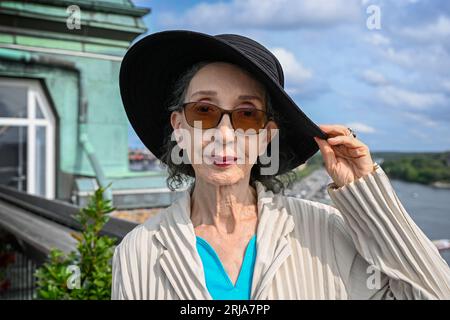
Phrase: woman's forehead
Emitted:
{"points": [[216, 94], [224, 79]]}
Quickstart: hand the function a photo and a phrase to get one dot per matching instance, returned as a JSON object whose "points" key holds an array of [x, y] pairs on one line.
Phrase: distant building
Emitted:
{"points": [[63, 129]]}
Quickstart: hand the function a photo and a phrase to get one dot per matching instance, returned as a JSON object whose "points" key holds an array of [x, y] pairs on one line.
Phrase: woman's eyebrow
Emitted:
{"points": [[250, 97], [205, 92], [214, 93]]}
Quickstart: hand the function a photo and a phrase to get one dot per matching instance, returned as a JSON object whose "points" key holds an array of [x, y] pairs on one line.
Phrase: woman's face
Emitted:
{"points": [[222, 156]]}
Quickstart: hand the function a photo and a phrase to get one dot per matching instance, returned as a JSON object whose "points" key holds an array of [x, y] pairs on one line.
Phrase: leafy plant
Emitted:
{"points": [[57, 279]]}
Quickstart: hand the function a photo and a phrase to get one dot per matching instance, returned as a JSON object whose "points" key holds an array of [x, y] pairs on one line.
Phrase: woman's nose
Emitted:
{"points": [[226, 128]]}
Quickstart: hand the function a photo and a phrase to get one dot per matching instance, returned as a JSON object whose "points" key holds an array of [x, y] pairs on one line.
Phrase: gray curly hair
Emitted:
{"points": [[180, 175]]}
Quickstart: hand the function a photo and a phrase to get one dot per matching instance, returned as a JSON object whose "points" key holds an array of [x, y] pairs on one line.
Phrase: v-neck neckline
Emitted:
{"points": [[177, 238], [222, 268]]}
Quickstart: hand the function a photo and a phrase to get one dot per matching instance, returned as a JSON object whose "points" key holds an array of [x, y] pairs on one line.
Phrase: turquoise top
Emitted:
{"points": [[218, 282]]}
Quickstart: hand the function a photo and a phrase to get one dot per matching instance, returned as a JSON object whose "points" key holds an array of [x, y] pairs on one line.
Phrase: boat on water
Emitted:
{"points": [[442, 244]]}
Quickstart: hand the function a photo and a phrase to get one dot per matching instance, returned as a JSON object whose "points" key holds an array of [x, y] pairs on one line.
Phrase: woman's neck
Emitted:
{"points": [[229, 209]]}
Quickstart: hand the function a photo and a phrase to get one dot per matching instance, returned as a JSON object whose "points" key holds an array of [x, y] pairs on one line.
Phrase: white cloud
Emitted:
{"points": [[420, 134], [419, 58], [374, 78], [421, 119], [398, 97], [266, 14], [299, 80], [403, 57], [360, 127], [377, 39], [437, 31], [294, 71]]}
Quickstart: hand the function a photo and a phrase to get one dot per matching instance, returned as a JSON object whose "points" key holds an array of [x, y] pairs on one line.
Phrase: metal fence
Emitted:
{"points": [[19, 282]]}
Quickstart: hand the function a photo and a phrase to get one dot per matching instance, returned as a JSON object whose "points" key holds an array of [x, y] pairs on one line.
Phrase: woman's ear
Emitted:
{"points": [[176, 122], [175, 119]]}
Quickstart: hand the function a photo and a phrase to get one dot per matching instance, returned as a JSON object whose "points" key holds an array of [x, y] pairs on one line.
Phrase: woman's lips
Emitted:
{"points": [[222, 165], [224, 161]]}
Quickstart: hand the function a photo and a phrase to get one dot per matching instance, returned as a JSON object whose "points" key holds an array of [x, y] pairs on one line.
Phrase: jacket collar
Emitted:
{"points": [[182, 264]]}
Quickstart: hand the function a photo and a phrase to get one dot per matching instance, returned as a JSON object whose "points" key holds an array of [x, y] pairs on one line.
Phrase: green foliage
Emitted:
{"points": [[421, 168], [92, 257], [313, 163]]}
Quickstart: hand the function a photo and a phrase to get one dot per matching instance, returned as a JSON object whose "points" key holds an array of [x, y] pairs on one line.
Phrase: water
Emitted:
{"points": [[429, 208]]}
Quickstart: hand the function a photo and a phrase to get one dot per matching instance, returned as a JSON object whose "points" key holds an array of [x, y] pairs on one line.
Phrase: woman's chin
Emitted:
{"points": [[223, 176]]}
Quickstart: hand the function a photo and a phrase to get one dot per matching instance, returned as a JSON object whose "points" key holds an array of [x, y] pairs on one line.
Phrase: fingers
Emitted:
{"points": [[327, 152], [335, 129], [341, 135], [357, 152], [348, 141]]}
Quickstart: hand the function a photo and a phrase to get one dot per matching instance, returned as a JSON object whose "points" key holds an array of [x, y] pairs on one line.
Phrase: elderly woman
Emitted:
{"points": [[233, 234]]}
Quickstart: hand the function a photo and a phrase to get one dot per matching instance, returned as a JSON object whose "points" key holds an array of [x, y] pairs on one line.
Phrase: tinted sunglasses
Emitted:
{"points": [[210, 116]]}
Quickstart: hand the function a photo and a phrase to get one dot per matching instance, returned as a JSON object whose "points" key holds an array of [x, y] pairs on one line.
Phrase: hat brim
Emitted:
{"points": [[151, 65]]}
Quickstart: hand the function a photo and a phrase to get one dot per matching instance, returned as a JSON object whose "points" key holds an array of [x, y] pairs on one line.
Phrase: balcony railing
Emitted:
{"points": [[33, 226]]}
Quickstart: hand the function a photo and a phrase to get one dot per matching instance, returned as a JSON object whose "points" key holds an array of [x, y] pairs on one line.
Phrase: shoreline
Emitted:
{"points": [[440, 185], [436, 184]]}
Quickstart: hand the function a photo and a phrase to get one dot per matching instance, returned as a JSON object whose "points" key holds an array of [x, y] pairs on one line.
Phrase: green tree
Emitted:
{"points": [[92, 258]]}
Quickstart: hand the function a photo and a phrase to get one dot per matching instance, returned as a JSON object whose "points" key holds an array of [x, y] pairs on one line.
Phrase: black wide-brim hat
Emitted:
{"points": [[152, 65]]}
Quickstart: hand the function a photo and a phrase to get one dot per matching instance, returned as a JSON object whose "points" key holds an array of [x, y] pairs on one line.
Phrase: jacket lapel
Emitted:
{"points": [[272, 243], [182, 264], [180, 260]]}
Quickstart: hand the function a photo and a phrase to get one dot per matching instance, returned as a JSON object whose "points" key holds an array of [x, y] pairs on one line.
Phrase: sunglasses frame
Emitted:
{"points": [[268, 117]]}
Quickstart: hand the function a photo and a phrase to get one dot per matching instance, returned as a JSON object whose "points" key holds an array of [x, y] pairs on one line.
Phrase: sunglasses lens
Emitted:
{"points": [[206, 113], [246, 119], [209, 116]]}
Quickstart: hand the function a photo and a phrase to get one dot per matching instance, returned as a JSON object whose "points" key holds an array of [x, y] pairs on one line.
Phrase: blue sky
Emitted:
{"points": [[390, 84]]}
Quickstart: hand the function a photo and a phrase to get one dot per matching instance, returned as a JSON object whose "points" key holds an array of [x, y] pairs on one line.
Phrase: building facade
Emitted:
{"points": [[63, 129]]}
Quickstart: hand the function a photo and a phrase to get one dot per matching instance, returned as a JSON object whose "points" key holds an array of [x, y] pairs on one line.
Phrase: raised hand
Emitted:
{"points": [[346, 158]]}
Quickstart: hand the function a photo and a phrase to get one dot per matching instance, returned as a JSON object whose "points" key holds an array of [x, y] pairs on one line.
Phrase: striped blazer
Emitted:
{"points": [[366, 246]]}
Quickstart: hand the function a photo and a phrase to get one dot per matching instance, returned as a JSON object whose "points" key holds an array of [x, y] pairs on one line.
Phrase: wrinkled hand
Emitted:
{"points": [[346, 158]]}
